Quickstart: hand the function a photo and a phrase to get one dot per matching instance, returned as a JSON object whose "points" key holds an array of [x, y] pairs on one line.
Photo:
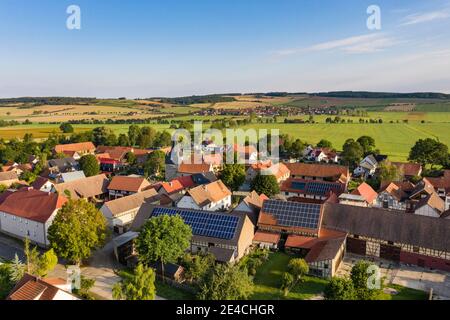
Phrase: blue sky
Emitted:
{"points": [[141, 48]]}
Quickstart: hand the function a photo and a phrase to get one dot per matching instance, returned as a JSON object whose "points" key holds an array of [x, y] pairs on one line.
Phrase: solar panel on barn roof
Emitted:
{"points": [[204, 224], [293, 214]]}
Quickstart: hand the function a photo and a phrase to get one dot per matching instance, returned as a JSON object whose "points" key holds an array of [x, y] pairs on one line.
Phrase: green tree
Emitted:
{"points": [[367, 143], [429, 151], [186, 125], [78, 228], [101, 135], [66, 127], [155, 164], [196, 266], [147, 137], [123, 140], [233, 175], [266, 184], [131, 158], [17, 269], [324, 144], [134, 132], [298, 268], [140, 285], [162, 139], [287, 283], [86, 284], [6, 284], [37, 264], [89, 164], [359, 275], [226, 282], [163, 239], [352, 152], [389, 172], [339, 289]]}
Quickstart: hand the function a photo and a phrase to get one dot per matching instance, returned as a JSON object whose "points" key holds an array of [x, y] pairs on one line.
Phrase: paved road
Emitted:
{"points": [[9, 247]]}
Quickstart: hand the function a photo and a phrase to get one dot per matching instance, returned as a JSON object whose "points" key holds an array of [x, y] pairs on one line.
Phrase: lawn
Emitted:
{"points": [[268, 281], [169, 292], [407, 293]]}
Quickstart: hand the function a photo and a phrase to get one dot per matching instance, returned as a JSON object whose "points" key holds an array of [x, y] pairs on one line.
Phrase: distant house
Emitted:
{"points": [[28, 213], [70, 176], [57, 166], [81, 148], [279, 170], [392, 196], [441, 184], [248, 154], [121, 212], [323, 155], [42, 184], [119, 153], [312, 189], [8, 178], [227, 236], [352, 200], [367, 193], [408, 169], [92, 188], [431, 206], [34, 288], [321, 172], [177, 185], [368, 166], [109, 165], [252, 203], [266, 240], [122, 186], [211, 197], [187, 169]]}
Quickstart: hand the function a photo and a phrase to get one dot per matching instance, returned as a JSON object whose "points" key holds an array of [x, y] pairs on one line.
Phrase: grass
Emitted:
{"points": [[169, 292], [407, 293], [268, 281]]}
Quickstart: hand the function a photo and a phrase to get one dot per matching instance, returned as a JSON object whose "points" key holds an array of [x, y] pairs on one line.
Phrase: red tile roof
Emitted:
{"points": [[364, 190], [82, 146], [267, 237], [178, 184], [32, 204], [192, 168], [318, 170], [131, 184]]}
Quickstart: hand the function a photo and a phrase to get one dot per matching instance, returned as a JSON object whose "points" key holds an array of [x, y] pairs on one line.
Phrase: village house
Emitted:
{"points": [[121, 212], [392, 196], [392, 235], [431, 206], [211, 197], [8, 178], [368, 166], [177, 185], [408, 170], [80, 149], [28, 213], [326, 155], [91, 188], [35, 288], [187, 169], [227, 236], [58, 166], [246, 154], [42, 184], [441, 184], [121, 186], [323, 249], [320, 172], [70, 176], [312, 189], [279, 170], [252, 203], [367, 193]]}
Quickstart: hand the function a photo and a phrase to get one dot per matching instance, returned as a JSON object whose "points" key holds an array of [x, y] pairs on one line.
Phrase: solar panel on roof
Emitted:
{"points": [[204, 223], [293, 214]]}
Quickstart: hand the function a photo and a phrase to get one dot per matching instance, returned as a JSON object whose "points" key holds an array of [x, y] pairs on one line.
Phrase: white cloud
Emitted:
{"points": [[357, 44], [425, 17]]}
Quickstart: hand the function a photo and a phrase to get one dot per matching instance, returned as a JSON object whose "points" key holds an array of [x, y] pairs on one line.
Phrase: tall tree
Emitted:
{"points": [[389, 172], [324, 144], [78, 228], [101, 135], [233, 175], [360, 277], [134, 131], [90, 165], [66, 127], [155, 164], [352, 152], [226, 282], [140, 285], [163, 239], [367, 143], [266, 184], [196, 266], [429, 151], [339, 289]]}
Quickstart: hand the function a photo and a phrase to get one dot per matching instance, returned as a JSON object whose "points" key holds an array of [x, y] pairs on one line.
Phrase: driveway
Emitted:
{"points": [[9, 247], [408, 276]]}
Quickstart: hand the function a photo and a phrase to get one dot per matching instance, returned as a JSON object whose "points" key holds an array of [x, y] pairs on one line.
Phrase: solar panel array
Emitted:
{"points": [[322, 188], [294, 214], [204, 224]]}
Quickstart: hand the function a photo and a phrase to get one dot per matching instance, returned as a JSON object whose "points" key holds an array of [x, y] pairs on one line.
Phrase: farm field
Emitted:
{"points": [[393, 139]]}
